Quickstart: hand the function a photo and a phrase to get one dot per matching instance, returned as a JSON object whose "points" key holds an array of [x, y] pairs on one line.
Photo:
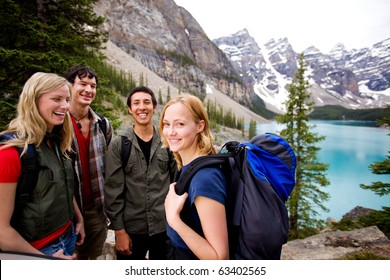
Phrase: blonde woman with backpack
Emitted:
{"points": [[184, 127], [50, 222]]}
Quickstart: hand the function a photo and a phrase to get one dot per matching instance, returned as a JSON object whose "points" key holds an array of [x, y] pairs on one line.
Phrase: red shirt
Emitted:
{"points": [[88, 201], [10, 167], [10, 170], [40, 243]]}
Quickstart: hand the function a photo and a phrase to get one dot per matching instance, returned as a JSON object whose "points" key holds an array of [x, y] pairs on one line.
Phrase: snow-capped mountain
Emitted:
{"points": [[170, 42], [353, 79]]}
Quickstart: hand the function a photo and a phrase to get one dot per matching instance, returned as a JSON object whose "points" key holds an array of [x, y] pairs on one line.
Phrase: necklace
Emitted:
{"points": [[78, 120]]}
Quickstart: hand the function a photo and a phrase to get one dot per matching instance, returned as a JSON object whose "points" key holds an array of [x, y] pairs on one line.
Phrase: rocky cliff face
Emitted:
{"points": [[170, 42], [370, 65], [353, 79]]}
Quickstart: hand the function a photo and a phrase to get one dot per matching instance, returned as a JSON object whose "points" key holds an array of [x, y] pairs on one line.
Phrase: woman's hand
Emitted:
{"points": [[80, 231], [79, 225], [173, 205], [60, 254]]}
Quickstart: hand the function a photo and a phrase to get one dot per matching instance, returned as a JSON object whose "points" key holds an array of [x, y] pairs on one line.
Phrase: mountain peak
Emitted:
{"points": [[338, 48], [170, 42], [241, 32], [277, 41], [311, 50], [352, 79]]}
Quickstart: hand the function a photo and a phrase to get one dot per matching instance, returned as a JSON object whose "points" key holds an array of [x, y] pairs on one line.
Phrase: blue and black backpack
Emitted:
{"points": [[260, 176]]}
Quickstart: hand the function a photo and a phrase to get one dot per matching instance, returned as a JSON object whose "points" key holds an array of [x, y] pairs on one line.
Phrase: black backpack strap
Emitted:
{"points": [[102, 123], [126, 149], [197, 164], [29, 177], [30, 171]]}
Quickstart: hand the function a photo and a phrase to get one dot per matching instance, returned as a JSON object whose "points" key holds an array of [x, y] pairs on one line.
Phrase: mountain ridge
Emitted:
{"points": [[167, 40], [118, 58], [354, 79]]}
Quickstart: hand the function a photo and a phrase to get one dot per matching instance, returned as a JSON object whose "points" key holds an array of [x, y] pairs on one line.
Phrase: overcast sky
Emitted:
{"points": [[323, 24]]}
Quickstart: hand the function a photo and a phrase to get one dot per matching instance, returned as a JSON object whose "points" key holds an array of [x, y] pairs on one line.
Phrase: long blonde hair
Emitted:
{"points": [[28, 126], [195, 106]]}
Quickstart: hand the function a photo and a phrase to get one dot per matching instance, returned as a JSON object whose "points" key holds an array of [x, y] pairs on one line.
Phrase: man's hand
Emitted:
{"points": [[123, 242]]}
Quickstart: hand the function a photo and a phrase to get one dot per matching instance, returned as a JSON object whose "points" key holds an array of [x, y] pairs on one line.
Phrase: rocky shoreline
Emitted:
{"points": [[337, 244], [327, 245]]}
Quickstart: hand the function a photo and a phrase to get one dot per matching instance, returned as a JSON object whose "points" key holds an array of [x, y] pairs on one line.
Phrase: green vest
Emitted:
{"points": [[51, 205]]}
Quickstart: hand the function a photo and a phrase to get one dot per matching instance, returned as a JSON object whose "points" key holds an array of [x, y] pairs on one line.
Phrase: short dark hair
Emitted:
{"points": [[80, 71], [141, 89]]}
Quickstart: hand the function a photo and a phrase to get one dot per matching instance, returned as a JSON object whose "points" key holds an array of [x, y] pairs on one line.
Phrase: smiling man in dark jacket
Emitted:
{"points": [[135, 194]]}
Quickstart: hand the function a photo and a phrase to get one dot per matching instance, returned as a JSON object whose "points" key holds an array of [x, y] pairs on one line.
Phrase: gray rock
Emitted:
{"points": [[336, 244], [357, 212], [109, 247]]}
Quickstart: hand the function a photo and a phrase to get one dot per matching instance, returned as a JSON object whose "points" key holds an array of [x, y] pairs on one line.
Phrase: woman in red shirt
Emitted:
{"points": [[50, 222]]}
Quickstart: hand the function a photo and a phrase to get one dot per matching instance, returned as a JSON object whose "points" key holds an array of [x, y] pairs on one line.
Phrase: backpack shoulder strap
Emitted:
{"points": [[29, 177], [102, 123], [225, 158], [105, 127], [29, 174], [126, 149], [197, 164]]}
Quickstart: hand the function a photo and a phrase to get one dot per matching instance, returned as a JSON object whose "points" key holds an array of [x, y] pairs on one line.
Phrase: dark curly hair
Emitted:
{"points": [[80, 71]]}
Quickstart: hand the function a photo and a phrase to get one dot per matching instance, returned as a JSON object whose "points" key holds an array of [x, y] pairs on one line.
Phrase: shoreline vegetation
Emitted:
{"points": [[331, 112]]}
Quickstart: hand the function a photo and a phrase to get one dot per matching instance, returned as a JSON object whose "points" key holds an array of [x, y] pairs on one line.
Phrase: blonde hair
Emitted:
{"points": [[28, 125], [199, 113]]}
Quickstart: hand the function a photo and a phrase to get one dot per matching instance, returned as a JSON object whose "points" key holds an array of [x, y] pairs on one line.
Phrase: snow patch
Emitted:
{"points": [[209, 90]]}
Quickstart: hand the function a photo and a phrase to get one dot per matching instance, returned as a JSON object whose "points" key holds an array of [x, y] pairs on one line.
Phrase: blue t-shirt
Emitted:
{"points": [[208, 182]]}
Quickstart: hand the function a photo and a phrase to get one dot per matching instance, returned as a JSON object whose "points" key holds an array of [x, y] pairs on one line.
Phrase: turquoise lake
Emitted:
{"points": [[349, 148]]}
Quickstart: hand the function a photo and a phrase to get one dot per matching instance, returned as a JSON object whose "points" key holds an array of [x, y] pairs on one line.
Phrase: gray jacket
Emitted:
{"points": [[134, 198]]}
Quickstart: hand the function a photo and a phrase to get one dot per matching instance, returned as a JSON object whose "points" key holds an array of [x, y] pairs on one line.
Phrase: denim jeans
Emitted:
{"points": [[66, 241]]}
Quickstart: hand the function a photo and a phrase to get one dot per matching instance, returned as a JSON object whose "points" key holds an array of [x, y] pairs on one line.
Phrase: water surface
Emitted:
{"points": [[349, 148]]}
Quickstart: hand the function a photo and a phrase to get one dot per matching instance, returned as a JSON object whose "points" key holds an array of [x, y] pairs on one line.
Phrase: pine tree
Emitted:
{"points": [[380, 168], [308, 194], [43, 35], [168, 93], [252, 129], [141, 80], [160, 99]]}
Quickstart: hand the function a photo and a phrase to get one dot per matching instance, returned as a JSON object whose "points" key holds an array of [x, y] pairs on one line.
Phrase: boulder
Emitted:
{"points": [[109, 247], [331, 245]]}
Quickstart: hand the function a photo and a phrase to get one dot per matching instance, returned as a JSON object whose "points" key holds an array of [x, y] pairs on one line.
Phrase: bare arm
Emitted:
{"points": [[213, 220], [10, 239]]}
